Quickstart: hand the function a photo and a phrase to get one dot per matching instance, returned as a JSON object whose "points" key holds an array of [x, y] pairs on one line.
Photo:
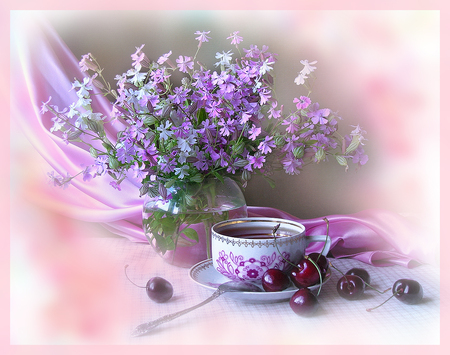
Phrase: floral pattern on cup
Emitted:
{"points": [[235, 267]]}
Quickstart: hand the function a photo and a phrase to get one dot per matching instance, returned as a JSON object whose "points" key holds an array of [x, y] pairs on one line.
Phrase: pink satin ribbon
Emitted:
{"points": [[43, 66]]}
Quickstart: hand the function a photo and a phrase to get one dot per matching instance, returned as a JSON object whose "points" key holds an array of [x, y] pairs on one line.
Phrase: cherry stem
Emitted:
{"points": [[326, 240], [129, 278], [289, 262], [395, 293]]}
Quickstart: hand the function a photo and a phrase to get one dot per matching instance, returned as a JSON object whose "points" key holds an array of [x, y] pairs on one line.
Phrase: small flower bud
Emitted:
{"points": [[240, 163], [162, 190], [279, 141], [238, 148], [98, 84], [166, 111], [298, 152], [143, 189]]}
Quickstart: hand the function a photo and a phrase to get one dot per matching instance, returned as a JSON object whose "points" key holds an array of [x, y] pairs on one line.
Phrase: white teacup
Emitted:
{"points": [[245, 248]]}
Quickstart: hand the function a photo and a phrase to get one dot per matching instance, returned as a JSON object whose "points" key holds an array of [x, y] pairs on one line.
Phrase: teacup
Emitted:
{"points": [[245, 248]]}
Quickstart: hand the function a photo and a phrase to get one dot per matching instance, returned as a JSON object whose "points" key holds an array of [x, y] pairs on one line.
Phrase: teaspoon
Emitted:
{"points": [[231, 286]]}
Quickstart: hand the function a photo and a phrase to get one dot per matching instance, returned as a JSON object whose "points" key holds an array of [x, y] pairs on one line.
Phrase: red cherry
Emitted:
{"points": [[408, 291], [321, 261], [275, 280], [304, 302], [362, 273], [350, 287], [305, 274]]}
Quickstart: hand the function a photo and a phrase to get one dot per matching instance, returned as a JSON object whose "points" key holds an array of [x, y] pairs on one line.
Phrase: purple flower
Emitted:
{"points": [[302, 102], [101, 165], [265, 95], [139, 172], [290, 143], [228, 127], [87, 63], [235, 39], [254, 132], [201, 163], [126, 151], [165, 57], [291, 124], [255, 162], [275, 113], [179, 95], [214, 109], [184, 64], [116, 185], [167, 164], [266, 145], [291, 164], [202, 37], [87, 173], [319, 115]]}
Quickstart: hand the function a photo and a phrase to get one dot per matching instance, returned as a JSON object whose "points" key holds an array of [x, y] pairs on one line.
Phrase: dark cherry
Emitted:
{"points": [[275, 280], [408, 291], [304, 302], [158, 289], [362, 273], [405, 290], [350, 287], [321, 261], [305, 274]]}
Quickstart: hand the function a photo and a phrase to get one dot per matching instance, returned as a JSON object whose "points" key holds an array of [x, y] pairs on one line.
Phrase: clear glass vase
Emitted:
{"points": [[179, 226]]}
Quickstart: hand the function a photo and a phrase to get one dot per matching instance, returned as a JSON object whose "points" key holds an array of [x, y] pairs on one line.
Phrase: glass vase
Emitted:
{"points": [[178, 226]]}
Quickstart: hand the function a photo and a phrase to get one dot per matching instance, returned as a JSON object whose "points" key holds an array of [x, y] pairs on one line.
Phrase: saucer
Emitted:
{"points": [[207, 276]]}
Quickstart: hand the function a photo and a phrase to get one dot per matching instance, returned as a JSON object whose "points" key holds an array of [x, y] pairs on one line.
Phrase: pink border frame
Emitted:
{"points": [[7, 5]]}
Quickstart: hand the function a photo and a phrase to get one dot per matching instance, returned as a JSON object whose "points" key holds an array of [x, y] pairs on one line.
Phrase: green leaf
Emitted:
{"points": [[113, 163], [93, 152], [201, 115], [190, 233], [218, 176]]}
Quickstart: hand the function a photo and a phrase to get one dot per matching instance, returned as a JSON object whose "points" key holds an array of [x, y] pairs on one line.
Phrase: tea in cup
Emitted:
{"points": [[245, 248]]}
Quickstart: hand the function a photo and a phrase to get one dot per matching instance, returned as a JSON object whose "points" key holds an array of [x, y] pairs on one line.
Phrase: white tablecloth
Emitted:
{"points": [[68, 286]]}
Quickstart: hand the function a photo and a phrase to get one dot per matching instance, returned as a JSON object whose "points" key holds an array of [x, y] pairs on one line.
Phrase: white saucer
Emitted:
{"points": [[207, 276]]}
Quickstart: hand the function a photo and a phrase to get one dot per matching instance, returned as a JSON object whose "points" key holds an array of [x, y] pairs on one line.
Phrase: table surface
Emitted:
{"points": [[82, 296]]}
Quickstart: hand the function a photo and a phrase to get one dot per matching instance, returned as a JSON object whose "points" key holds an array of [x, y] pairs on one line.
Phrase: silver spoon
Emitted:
{"points": [[231, 286]]}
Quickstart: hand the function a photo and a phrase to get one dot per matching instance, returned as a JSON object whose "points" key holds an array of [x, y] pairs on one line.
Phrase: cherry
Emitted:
{"points": [[158, 289], [305, 274], [275, 280], [362, 273], [350, 287], [408, 291], [405, 290], [304, 302], [321, 261]]}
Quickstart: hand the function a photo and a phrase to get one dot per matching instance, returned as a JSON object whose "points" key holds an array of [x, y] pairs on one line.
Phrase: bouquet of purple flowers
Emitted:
{"points": [[182, 123], [213, 123]]}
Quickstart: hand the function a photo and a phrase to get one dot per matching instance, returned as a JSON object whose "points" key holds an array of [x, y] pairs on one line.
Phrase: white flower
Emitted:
{"points": [[165, 133], [300, 79], [308, 69], [182, 172], [265, 67], [224, 58]]}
